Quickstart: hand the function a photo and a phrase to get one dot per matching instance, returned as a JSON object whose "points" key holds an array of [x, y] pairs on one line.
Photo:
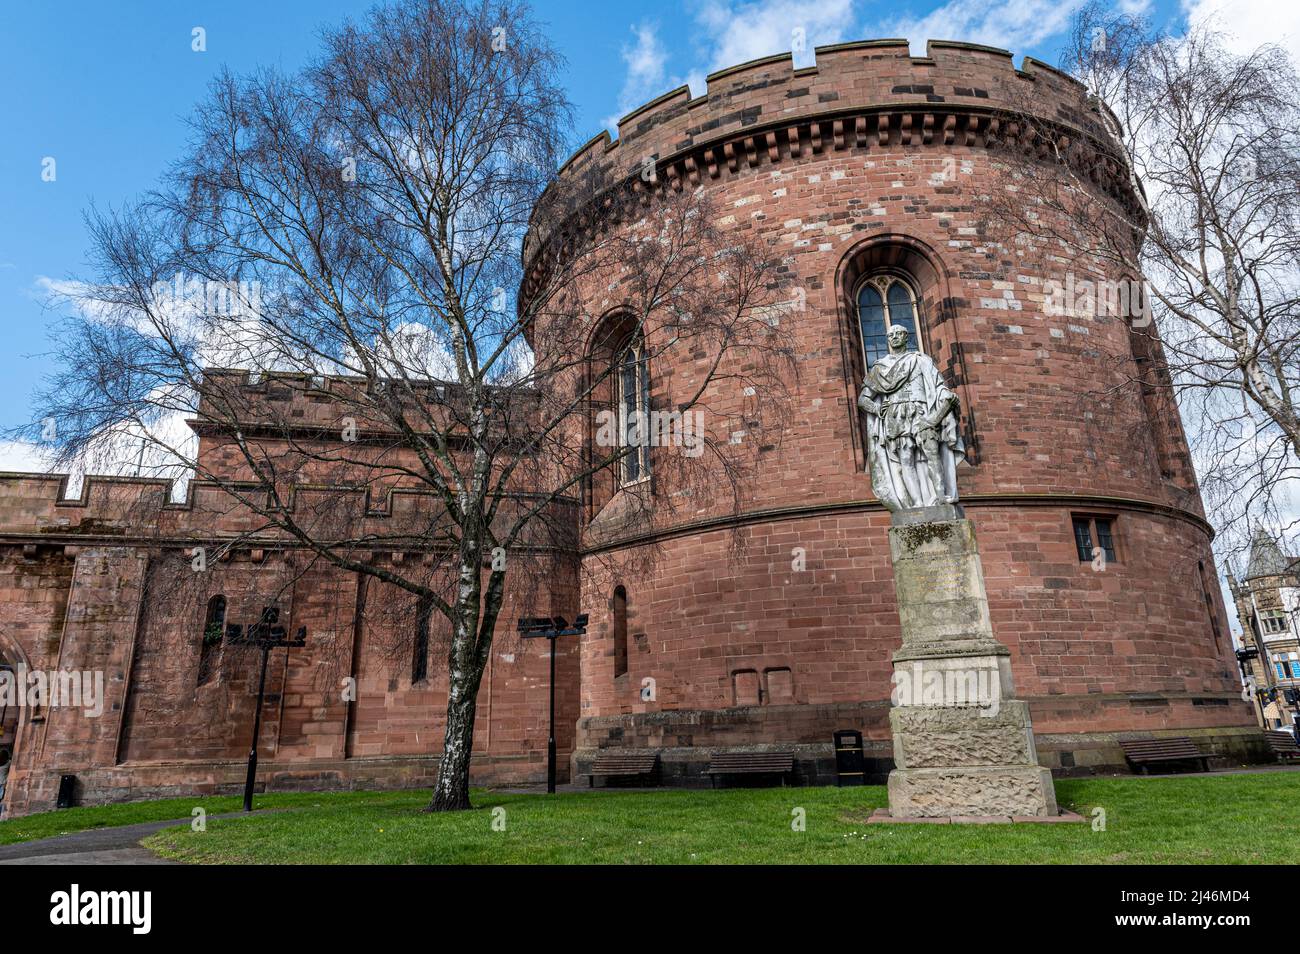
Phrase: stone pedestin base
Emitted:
{"points": [[881, 816], [963, 744], [931, 737], [976, 790]]}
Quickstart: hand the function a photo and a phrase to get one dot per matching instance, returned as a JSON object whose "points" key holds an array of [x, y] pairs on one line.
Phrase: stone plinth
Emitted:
{"points": [[963, 744]]}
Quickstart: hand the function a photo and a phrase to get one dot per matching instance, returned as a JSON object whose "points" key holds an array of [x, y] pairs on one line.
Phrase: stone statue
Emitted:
{"points": [[913, 438]]}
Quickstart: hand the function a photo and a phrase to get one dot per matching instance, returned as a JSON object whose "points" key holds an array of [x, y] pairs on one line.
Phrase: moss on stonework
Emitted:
{"points": [[921, 534], [91, 525]]}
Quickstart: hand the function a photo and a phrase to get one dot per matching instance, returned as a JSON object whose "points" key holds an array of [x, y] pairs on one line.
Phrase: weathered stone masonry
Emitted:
{"points": [[85, 585], [872, 159], [875, 159]]}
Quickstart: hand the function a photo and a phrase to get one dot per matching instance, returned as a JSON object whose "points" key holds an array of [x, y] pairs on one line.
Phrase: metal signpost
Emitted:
{"points": [[550, 627], [266, 635]]}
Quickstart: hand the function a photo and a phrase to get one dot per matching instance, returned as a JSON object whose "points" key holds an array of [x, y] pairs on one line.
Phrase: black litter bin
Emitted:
{"points": [[67, 791], [850, 767]]}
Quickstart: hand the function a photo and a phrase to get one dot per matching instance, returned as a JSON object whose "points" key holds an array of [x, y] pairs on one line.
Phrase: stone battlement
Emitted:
{"points": [[142, 509], [869, 95], [871, 75], [40, 502]]}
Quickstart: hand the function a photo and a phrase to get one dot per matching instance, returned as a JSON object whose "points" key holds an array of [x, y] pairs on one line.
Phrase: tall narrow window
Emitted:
{"points": [[420, 653], [619, 628], [886, 301], [633, 388], [214, 631]]}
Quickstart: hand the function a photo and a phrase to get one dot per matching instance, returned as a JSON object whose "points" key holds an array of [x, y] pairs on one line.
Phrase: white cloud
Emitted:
{"points": [[646, 61], [1249, 24], [729, 33], [23, 457], [79, 295], [735, 31], [1014, 25], [1134, 8], [414, 350], [165, 449], [738, 32]]}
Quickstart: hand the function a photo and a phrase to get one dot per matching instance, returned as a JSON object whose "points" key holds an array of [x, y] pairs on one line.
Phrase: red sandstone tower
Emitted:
{"points": [[868, 172]]}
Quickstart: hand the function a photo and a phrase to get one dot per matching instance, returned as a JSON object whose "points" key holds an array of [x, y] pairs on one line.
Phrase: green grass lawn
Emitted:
{"points": [[1187, 819], [49, 824]]}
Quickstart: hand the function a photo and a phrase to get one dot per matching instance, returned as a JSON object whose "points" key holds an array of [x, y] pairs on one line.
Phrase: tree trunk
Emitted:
{"points": [[451, 791]]}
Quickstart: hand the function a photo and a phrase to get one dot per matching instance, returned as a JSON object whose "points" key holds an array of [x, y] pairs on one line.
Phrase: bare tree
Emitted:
{"points": [[366, 377], [1192, 187]]}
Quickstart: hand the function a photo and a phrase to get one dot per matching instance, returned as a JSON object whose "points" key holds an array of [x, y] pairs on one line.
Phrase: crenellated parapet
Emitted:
{"points": [[867, 95], [36, 510], [307, 408], [875, 75]]}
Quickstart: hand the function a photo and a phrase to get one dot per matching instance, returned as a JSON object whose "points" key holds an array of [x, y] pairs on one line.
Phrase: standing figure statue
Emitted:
{"points": [[913, 438]]}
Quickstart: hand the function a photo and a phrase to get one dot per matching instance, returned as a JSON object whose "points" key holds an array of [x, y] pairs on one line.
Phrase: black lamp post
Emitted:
{"points": [[549, 627], [265, 635]]}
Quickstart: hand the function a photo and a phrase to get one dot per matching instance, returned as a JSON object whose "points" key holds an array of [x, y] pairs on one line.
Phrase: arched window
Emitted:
{"points": [[885, 301], [214, 631], [632, 388], [619, 436], [619, 628]]}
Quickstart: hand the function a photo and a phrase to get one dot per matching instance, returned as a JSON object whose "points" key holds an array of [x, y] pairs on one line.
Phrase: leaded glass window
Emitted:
{"points": [[885, 301]]}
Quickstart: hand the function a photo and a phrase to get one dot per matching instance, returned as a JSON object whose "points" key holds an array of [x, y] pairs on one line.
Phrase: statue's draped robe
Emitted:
{"points": [[894, 382]]}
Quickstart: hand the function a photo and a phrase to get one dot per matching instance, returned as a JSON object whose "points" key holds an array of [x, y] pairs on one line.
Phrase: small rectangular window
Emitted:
{"points": [[1273, 621], [1083, 538], [214, 631], [1090, 529], [1104, 538]]}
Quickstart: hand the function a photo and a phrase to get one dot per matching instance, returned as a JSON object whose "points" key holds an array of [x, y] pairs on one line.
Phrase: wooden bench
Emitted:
{"points": [[1282, 744], [750, 763], [636, 763], [1144, 752]]}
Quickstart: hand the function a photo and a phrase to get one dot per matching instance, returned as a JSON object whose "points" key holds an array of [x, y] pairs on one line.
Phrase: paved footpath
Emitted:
{"points": [[98, 846]]}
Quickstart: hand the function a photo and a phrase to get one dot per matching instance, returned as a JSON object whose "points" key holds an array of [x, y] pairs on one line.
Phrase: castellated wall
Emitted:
{"points": [[103, 585], [875, 159]]}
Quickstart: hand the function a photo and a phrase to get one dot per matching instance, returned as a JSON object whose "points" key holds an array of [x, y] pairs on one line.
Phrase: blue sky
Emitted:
{"points": [[103, 88]]}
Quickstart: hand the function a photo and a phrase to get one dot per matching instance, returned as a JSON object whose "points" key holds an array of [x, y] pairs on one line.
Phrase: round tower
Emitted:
{"points": [[869, 173]]}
